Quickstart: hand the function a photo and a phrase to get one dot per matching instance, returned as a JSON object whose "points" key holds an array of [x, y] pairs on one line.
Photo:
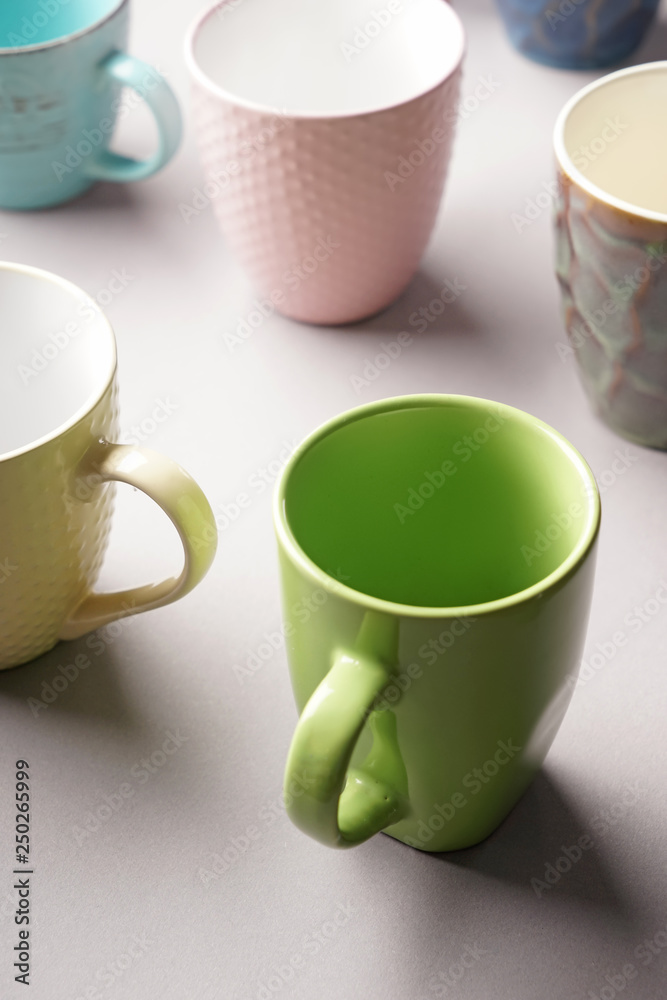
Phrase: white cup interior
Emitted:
{"points": [[314, 57], [57, 357], [614, 134]]}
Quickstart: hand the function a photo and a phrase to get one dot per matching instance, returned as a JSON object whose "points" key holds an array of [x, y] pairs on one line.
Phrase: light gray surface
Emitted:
{"points": [[411, 915]]}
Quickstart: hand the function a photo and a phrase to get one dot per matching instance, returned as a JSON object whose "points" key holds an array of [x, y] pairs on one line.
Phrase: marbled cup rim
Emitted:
{"points": [[563, 157]]}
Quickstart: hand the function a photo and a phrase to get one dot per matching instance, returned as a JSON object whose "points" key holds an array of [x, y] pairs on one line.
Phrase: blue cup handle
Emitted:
{"points": [[132, 72]]}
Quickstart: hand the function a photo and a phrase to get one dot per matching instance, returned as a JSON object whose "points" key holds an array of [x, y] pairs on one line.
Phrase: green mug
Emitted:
{"points": [[437, 558]]}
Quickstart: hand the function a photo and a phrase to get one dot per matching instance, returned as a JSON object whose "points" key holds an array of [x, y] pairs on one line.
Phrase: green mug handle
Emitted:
{"points": [[132, 72], [336, 805]]}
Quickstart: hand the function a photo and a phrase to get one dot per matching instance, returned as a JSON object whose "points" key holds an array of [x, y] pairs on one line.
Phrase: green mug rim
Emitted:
{"points": [[333, 587]]}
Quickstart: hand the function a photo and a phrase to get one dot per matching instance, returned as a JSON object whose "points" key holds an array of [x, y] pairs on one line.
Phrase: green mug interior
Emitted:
{"points": [[34, 22], [442, 505]]}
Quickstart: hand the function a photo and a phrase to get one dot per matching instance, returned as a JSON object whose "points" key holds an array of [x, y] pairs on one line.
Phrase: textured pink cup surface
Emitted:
{"points": [[329, 214]]}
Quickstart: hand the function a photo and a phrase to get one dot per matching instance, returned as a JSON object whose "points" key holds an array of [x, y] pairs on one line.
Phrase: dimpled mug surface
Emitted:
{"points": [[437, 560], [577, 34], [58, 467], [325, 132], [52, 540], [611, 240], [62, 69]]}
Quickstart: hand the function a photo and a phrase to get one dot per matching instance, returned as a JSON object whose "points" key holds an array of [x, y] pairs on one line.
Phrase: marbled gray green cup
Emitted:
{"points": [[611, 236]]}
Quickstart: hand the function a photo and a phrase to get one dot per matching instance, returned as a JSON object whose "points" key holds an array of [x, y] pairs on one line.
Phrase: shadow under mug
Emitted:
{"points": [[325, 131], [58, 466], [63, 64], [437, 560], [577, 34], [611, 246]]}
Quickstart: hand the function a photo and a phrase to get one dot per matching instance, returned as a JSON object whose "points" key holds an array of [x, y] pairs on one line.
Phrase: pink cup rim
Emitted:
{"points": [[205, 81]]}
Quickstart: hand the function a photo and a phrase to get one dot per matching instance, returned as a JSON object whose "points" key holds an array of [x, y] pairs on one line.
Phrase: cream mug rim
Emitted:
{"points": [[99, 392]]}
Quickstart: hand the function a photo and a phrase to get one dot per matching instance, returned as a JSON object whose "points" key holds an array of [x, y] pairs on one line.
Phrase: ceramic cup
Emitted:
{"points": [[325, 131], [437, 558], [63, 65], [58, 464], [577, 34], [611, 232]]}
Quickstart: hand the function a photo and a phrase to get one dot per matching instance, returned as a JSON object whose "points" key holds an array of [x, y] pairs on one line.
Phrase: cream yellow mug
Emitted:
{"points": [[58, 466]]}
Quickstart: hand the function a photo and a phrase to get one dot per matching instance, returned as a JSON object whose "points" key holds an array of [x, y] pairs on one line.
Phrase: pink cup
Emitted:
{"points": [[326, 131]]}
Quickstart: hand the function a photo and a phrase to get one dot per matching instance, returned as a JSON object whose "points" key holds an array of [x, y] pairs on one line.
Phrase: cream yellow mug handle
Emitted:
{"points": [[179, 496]]}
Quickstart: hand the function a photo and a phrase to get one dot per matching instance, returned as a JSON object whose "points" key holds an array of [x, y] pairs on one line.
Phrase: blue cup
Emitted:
{"points": [[577, 34], [63, 64]]}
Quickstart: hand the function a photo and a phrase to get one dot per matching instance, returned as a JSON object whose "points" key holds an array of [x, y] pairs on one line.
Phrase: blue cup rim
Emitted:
{"points": [[19, 50]]}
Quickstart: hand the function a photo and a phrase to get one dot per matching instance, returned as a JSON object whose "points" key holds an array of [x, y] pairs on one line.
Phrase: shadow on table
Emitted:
{"points": [[537, 847], [74, 678], [107, 197], [579, 925], [450, 314]]}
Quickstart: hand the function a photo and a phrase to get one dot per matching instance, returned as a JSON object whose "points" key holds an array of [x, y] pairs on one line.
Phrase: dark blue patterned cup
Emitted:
{"points": [[577, 34]]}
